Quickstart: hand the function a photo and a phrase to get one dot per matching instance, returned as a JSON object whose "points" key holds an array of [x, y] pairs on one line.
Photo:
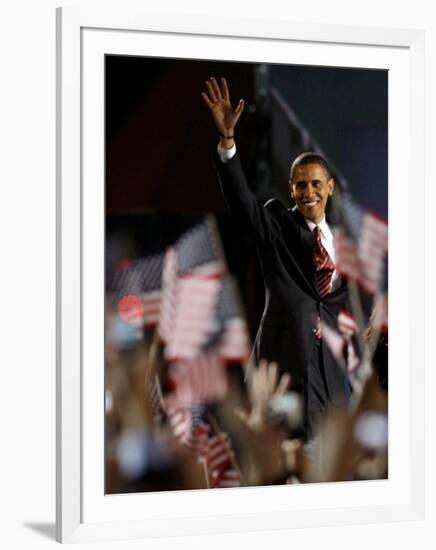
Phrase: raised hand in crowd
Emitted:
{"points": [[263, 385]]}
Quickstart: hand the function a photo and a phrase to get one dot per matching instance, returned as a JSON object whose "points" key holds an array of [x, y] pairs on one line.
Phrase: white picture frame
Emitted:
{"points": [[83, 512]]}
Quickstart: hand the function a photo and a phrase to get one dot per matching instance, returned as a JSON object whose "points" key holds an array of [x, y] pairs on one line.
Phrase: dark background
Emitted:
{"points": [[160, 139]]}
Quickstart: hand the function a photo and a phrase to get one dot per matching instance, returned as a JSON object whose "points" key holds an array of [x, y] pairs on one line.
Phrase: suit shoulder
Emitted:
{"points": [[275, 205]]}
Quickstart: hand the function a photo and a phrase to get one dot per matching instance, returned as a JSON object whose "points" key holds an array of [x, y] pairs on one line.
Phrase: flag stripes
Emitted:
{"points": [[361, 245], [192, 316], [341, 343], [212, 449], [200, 380]]}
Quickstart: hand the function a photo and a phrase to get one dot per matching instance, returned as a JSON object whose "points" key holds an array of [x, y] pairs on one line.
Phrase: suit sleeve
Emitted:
{"points": [[254, 218]]}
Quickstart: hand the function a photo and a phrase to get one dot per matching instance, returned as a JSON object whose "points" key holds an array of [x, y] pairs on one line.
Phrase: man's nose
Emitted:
{"points": [[309, 190]]}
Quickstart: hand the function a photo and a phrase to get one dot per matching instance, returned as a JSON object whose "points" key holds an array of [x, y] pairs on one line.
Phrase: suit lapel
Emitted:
{"points": [[307, 247]]}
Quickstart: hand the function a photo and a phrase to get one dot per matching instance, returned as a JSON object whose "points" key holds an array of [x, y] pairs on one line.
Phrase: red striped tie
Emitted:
{"points": [[324, 271]]}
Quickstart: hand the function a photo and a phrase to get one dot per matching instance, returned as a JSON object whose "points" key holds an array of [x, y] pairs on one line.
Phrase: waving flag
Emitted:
{"points": [[136, 289], [192, 271], [192, 429], [192, 317], [341, 343], [189, 426], [199, 380], [218, 456], [169, 294], [228, 478], [199, 250], [361, 244], [230, 335]]}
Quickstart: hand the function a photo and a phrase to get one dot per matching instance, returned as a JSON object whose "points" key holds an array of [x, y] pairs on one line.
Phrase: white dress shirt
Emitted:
{"points": [[226, 154]]}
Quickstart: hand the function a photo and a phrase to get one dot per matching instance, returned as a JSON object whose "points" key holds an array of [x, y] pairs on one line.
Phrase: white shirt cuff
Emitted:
{"points": [[226, 154]]}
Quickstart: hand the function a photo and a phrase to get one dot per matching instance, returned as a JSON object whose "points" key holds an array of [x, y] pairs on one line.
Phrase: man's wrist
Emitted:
{"points": [[224, 153], [227, 142]]}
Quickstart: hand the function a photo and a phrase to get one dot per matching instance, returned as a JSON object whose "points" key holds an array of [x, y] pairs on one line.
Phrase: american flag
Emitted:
{"points": [[169, 294], [341, 343], [192, 319], [228, 478], [230, 335], [346, 323], [199, 249], [235, 345], [335, 342], [348, 327], [199, 380], [218, 456], [361, 245], [192, 271], [136, 289], [190, 426]]}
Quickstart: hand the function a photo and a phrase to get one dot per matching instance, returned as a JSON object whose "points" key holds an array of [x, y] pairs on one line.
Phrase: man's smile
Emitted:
{"points": [[311, 203]]}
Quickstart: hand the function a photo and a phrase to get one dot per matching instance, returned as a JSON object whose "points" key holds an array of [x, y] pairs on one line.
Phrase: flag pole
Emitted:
{"points": [[205, 471]]}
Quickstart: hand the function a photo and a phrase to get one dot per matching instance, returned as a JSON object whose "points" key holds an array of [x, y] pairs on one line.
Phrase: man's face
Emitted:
{"points": [[310, 188]]}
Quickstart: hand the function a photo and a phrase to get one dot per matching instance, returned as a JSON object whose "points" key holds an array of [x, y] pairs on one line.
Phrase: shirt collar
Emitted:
{"points": [[325, 229]]}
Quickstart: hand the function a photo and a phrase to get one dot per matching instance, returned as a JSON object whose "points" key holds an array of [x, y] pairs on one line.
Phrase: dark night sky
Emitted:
{"points": [[160, 137]]}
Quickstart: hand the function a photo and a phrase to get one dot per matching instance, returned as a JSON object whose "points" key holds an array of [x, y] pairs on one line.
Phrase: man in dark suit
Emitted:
{"points": [[303, 290]]}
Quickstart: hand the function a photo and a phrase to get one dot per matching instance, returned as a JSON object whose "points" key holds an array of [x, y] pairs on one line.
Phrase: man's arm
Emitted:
{"points": [[240, 199]]}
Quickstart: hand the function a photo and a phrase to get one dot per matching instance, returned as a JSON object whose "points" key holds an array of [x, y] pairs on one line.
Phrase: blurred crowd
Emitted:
{"points": [[186, 407]]}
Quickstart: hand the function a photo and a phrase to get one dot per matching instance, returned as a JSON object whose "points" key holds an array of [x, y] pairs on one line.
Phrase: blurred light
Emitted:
{"points": [[123, 335], [131, 309], [124, 263], [131, 453], [293, 480], [138, 453], [287, 407], [109, 402], [371, 430]]}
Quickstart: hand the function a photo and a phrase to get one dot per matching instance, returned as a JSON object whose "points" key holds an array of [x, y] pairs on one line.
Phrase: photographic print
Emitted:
{"points": [[246, 274]]}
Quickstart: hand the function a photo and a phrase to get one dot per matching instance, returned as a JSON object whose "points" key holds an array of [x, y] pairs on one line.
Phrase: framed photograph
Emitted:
{"points": [[177, 412]]}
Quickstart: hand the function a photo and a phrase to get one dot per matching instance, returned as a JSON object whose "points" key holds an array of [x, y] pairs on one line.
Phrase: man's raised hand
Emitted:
{"points": [[218, 101]]}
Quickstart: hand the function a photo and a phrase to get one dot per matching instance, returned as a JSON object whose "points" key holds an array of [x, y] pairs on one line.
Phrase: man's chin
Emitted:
{"points": [[314, 214]]}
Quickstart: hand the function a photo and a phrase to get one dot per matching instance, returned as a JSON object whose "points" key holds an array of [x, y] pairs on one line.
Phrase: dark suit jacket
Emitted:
{"points": [[292, 301]]}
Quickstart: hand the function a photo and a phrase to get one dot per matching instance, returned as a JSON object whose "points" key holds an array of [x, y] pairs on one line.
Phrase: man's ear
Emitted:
{"points": [[290, 188], [331, 186]]}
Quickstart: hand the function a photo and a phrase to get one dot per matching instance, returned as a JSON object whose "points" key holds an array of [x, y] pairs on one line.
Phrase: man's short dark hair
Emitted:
{"points": [[310, 158]]}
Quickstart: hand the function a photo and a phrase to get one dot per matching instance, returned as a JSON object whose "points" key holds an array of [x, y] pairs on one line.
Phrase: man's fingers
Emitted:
{"points": [[241, 414], [225, 89], [207, 100], [284, 383], [240, 107], [216, 88], [211, 91], [262, 379], [272, 378], [256, 385]]}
